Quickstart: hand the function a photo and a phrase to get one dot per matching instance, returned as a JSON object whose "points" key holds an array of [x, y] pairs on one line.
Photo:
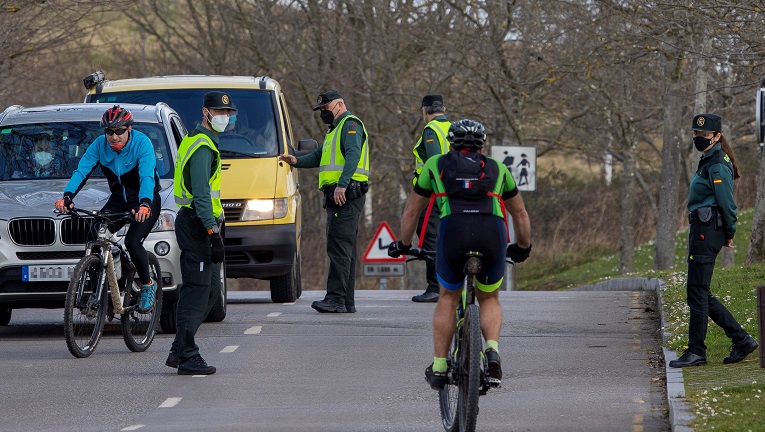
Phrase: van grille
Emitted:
{"points": [[232, 210], [32, 232], [74, 231]]}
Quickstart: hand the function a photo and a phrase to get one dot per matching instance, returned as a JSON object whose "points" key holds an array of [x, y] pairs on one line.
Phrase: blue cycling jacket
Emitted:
{"points": [[131, 172]]}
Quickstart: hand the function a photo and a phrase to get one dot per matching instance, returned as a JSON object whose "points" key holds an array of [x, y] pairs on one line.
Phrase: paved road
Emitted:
{"points": [[573, 361]]}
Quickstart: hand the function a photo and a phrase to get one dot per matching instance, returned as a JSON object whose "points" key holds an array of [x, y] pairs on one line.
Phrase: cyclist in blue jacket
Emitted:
{"points": [[127, 159]]}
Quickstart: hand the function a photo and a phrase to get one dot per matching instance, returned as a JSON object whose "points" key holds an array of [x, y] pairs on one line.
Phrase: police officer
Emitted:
{"points": [[343, 161], [713, 225], [197, 227], [432, 142]]}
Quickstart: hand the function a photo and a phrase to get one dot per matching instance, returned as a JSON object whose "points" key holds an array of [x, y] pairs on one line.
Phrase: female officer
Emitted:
{"points": [[713, 224]]}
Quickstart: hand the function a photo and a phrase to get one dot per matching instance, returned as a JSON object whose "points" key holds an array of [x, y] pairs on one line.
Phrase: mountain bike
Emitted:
{"points": [[468, 369], [105, 284]]}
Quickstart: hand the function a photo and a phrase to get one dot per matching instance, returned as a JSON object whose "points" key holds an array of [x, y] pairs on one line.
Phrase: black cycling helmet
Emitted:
{"points": [[116, 117], [466, 134]]}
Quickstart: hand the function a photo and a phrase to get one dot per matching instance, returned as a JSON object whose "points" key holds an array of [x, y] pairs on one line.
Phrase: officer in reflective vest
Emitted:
{"points": [[433, 142], [197, 228], [343, 161]]}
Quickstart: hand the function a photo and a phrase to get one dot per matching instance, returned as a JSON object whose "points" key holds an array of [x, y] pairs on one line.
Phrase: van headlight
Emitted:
{"points": [[263, 209]]}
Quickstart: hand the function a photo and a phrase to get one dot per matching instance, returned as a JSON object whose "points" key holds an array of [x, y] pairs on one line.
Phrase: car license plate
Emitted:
{"points": [[47, 273]]}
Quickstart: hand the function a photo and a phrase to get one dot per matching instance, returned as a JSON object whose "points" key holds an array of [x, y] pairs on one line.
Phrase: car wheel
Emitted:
{"points": [[286, 288], [5, 316], [218, 311], [167, 320]]}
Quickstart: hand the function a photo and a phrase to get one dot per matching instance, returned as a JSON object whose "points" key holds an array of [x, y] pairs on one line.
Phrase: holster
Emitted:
{"points": [[354, 191], [705, 215]]}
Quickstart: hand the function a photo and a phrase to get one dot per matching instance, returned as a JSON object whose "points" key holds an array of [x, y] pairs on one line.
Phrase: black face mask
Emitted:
{"points": [[701, 143], [327, 117]]}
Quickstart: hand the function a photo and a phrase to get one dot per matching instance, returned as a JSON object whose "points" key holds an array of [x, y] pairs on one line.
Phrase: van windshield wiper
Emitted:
{"points": [[249, 155]]}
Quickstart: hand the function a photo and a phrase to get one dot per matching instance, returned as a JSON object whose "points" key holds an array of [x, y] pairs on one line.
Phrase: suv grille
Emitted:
{"points": [[56, 255], [232, 210], [74, 231], [32, 232]]}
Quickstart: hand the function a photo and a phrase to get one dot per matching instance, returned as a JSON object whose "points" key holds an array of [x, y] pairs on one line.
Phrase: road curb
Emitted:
{"points": [[680, 415]]}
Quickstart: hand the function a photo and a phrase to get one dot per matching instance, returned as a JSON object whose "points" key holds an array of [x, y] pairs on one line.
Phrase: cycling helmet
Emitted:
{"points": [[466, 134], [116, 117]]}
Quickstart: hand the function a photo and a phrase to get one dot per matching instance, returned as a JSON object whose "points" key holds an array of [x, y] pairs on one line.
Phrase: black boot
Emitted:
{"points": [[741, 349], [688, 359]]}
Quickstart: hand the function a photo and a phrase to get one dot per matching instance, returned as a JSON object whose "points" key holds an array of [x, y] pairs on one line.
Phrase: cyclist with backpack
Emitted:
{"points": [[472, 192]]}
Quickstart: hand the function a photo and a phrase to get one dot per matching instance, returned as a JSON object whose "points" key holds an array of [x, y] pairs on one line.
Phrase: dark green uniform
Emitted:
{"points": [[201, 278], [712, 221], [342, 222]]}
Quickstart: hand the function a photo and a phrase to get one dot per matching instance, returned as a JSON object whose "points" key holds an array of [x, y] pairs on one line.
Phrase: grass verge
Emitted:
{"points": [[723, 397]]}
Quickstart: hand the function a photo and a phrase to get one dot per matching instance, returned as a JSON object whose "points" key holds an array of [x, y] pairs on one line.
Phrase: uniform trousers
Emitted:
{"points": [[201, 283], [429, 243], [704, 243], [342, 230]]}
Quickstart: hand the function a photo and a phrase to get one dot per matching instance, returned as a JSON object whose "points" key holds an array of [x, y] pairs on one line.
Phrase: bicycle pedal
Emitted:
{"points": [[495, 383]]}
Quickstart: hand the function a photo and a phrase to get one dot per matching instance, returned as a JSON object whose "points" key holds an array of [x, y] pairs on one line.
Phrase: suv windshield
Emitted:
{"points": [[253, 134], [53, 150]]}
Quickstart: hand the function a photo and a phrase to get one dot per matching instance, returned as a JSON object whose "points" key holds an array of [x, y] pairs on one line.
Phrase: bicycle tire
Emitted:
{"points": [[470, 365], [139, 329], [448, 397], [84, 319]]}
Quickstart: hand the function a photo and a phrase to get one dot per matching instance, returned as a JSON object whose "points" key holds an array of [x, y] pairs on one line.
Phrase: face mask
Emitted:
{"points": [[231, 120], [43, 158], [701, 143], [219, 122], [327, 117]]}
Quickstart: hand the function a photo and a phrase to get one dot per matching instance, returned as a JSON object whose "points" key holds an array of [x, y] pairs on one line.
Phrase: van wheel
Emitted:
{"points": [[5, 316], [286, 288], [218, 311]]}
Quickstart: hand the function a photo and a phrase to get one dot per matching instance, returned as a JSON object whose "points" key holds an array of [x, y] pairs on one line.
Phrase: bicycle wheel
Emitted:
{"points": [[448, 397], [139, 329], [84, 312], [469, 379]]}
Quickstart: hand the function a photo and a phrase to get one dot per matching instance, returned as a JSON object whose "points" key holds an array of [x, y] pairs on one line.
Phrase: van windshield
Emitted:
{"points": [[253, 134]]}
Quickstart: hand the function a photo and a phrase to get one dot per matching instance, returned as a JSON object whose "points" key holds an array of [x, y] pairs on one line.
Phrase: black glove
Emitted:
{"points": [[517, 253], [217, 248], [396, 247]]}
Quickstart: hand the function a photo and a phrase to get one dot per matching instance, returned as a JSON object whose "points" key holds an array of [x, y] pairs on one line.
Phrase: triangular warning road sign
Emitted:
{"points": [[377, 251]]}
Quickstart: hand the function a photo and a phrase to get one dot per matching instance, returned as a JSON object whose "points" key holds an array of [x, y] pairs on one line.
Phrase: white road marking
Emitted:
{"points": [[170, 402], [132, 428], [229, 349], [289, 303], [253, 330], [274, 314]]}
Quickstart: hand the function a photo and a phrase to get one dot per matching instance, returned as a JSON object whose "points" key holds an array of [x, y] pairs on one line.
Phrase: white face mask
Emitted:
{"points": [[219, 122], [43, 158]]}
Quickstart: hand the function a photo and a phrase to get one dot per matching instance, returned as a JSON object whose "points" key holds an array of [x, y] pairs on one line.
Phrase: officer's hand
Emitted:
{"points": [[217, 248], [339, 196], [143, 213], [396, 247], [517, 253], [290, 159], [63, 205]]}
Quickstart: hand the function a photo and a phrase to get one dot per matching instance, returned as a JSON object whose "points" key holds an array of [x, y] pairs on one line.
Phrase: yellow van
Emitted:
{"points": [[260, 195]]}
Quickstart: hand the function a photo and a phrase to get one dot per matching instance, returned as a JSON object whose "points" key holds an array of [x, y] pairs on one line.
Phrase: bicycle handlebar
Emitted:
{"points": [[424, 254], [76, 211]]}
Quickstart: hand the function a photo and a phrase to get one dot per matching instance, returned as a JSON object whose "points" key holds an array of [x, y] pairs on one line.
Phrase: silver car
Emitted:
{"points": [[40, 147]]}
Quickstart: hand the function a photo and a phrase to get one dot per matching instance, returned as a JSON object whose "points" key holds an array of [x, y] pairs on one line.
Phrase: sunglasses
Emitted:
{"points": [[111, 132]]}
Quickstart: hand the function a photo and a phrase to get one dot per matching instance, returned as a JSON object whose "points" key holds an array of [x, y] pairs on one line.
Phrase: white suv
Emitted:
{"points": [[39, 249]]}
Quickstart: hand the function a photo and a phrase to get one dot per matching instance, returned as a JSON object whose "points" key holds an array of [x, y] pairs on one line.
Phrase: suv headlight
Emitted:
{"points": [[263, 209], [166, 221]]}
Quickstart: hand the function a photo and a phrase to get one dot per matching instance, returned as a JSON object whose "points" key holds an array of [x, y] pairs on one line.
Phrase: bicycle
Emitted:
{"points": [[103, 287], [468, 369]]}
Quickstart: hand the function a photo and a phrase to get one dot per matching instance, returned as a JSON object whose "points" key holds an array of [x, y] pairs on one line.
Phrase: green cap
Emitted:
{"points": [[326, 97], [707, 122]]}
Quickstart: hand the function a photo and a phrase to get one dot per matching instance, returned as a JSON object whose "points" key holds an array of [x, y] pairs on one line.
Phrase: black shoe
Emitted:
{"points": [[350, 309], [426, 297], [495, 367], [688, 359], [172, 360], [328, 306], [195, 366], [437, 380], [741, 349]]}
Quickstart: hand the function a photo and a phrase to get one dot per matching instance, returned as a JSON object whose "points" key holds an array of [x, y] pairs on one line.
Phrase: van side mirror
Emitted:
{"points": [[306, 146]]}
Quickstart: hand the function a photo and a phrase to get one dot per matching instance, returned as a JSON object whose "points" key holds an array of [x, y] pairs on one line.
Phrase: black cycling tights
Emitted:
{"points": [[136, 233]]}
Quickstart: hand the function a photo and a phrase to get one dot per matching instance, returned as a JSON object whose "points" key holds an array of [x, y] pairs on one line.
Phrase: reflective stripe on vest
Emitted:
{"points": [[441, 128], [333, 161], [183, 196]]}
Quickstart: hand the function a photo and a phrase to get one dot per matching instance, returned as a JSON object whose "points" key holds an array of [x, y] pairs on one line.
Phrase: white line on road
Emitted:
{"points": [[253, 330], [274, 314], [170, 402], [289, 303], [132, 428], [229, 349]]}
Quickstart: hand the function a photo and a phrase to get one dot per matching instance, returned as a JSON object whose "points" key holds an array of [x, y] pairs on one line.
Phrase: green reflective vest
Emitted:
{"points": [[441, 128], [183, 196], [332, 159]]}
